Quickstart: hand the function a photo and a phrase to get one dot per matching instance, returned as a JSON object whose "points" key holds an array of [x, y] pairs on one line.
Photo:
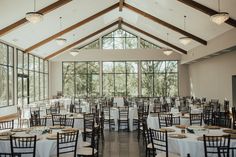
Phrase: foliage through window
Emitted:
{"points": [[159, 78], [119, 39], [6, 75], [121, 78], [81, 79]]}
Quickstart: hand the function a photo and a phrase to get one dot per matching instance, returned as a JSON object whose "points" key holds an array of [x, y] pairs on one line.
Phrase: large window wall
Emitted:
{"points": [[6, 75], [159, 78], [120, 78], [81, 79], [35, 71]]}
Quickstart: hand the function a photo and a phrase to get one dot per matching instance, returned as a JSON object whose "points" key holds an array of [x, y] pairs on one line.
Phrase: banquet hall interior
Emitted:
{"points": [[118, 78]]}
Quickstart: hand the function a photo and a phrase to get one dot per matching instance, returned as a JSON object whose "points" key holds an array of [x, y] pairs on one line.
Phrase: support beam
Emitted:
{"points": [[154, 37], [159, 21], [120, 22], [206, 10], [45, 10], [81, 40], [79, 24], [121, 5]]}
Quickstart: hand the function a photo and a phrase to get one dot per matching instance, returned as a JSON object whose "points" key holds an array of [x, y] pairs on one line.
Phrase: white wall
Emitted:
{"points": [[212, 78]]}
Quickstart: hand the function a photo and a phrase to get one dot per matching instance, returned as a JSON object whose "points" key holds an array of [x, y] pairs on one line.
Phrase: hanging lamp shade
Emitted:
{"points": [[168, 52], [74, 52], [61, 41], [34, 17], [185, 40], [220, 18]]}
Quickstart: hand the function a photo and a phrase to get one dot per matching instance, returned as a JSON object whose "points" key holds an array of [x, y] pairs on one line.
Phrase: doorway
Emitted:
{"points": [[234, 90], [22, 90]]}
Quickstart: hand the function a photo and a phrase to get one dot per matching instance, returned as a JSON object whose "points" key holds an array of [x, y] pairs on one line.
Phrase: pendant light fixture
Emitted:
{"points": [[74, 52], [185, 40], [34, 17], [167, 51], [220, 17], [61, 41]]}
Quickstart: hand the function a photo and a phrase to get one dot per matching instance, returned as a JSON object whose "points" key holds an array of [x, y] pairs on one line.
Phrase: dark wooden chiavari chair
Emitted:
{"points": [[6, 125], [34, 121], [165, 119], [123, 119], [226, 151], [195, 118]]}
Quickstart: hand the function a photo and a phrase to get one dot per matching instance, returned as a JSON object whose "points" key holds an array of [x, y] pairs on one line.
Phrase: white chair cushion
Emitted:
{"points": [[84, 144], [149, 146], [64, 155], [163, 154], [86, 151]]}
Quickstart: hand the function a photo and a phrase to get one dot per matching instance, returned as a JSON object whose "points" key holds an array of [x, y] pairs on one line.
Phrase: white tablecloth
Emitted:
{"points": [[119, 101], [153, 121], [191, 144], [44, 147]]}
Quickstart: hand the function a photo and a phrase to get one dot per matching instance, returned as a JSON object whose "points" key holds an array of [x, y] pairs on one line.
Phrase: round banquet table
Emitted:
{"points": [[153, 120], [191, 144], [44, 147]]}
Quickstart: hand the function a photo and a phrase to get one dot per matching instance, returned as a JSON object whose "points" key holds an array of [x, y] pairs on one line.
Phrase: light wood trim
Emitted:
{"points": [[161, 22], [83, 22], [9, 117], [45, 10], [154, 37], [121, 5], [206, 10], [81, 40]]}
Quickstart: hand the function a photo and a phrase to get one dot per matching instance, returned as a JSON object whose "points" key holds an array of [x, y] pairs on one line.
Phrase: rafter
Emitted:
{"points": [[79, 24], [206, 10], [154, 37], [121, 5], [159, 21], [81, 40], [45, 10], [120, 22]]}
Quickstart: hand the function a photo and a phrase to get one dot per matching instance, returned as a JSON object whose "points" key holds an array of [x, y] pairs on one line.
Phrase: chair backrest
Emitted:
{"points": [[208, 115], [226, 151], [6, 125], [58, 119], [124, 113], [212, 142], [35, 112], [65, 121], [23, 145], [165, 119], [146, 132], [95, 140], [89, 121], [38, 121], [195, 118], [159, 141], [223, 121], [175, 120], [67, 143]]}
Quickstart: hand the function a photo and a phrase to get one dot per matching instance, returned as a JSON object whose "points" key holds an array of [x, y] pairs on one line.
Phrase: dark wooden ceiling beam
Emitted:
{"points": [[206, 10], [45, 10], [161, 22], [79, 24], [121, 5], [154, 37], [81, 40], [120, 22]]}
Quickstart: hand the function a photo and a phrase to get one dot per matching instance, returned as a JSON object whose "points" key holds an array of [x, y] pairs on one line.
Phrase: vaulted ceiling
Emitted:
{"points": [[81, 18]]}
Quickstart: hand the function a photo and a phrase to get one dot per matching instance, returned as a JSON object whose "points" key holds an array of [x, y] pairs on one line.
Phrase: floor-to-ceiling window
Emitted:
{"points": [[159, 78], [32, 78], [120, 78], [81, 79], [6, 75]]}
